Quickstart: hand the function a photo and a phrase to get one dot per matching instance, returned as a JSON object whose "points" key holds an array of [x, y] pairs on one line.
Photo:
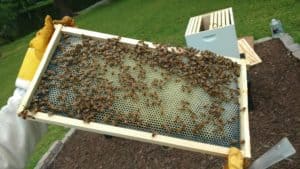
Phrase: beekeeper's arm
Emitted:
{"points": [[17, 136]]}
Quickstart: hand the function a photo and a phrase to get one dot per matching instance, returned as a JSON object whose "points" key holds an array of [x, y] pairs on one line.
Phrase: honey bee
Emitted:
{"points": [[242, 142], [197, 128], [50, 113], [183, 127], [166, 127], [182, 109], [177, 80], [50, 72], [243, 109], [106, 119], [144, 93], [113, 122], [177, 119], [178, 130], [184, 103], [234, 142], [162, 112], [194, 117], [25, 114], [154, 134]]}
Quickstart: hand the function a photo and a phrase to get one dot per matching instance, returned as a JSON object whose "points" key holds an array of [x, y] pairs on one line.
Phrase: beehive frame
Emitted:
{"points": [[131, 133]]}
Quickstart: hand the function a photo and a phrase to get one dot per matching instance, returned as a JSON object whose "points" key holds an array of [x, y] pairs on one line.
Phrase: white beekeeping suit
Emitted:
{"points": [[18, 137]]}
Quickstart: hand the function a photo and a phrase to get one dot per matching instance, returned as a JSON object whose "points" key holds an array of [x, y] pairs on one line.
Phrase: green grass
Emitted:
{"points": [[11, 57], [54, 133], [166, 21], [157, 21]]}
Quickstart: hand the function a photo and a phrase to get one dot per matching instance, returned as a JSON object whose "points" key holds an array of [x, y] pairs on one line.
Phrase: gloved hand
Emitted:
{"points": [[235, 159], [66, 21], [18, 137], [37, 48], [34, 54]]}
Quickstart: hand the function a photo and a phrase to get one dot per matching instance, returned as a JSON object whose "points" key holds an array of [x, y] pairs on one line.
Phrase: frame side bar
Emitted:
{"points": [[244, 116], [41, 68]]}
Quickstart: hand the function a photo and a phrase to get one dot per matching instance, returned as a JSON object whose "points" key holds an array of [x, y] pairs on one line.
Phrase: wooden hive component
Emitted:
{"points": [[217, 33], [251, 57], [130, 133]]}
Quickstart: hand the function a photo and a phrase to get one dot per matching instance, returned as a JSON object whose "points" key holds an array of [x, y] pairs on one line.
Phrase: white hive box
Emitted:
{"points": [[213, 31]]}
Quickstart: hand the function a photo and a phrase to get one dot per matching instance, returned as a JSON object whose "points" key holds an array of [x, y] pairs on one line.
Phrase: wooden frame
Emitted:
{"points": [[194, 25], [131, 133], [251, 57]]}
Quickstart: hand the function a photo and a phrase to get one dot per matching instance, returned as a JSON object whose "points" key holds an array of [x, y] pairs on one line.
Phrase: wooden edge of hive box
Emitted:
{"points": [[214, 31], [251, 57], [125, 132]]}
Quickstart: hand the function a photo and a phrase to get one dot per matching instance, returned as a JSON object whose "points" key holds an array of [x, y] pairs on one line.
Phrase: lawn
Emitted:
{"points": [[157, 21]]}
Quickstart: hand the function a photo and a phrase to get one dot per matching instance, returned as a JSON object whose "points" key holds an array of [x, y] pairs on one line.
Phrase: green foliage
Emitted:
{"points": [[6, 12], [9, 10], [76, 5]]}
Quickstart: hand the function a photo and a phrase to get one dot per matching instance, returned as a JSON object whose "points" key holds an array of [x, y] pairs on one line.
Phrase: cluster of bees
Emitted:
{"points": [[79, 75]]}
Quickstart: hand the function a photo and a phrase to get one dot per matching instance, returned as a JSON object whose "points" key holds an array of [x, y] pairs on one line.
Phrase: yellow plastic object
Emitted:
{"points": [[235, 159], [36, 50]]}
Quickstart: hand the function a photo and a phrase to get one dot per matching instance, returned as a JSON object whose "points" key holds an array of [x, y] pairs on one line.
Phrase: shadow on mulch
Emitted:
{"points": [[276, 95]]}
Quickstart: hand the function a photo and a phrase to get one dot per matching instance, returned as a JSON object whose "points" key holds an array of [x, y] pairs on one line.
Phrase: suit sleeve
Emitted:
{"points": [[18, 137]]}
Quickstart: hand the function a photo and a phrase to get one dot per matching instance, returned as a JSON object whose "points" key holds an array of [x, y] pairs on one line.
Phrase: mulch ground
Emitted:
{"points": [[276, 96]]}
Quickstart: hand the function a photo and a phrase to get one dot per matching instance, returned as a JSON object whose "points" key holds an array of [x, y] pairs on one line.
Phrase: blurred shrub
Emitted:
{"points": [[77, 5], [20, 17]]}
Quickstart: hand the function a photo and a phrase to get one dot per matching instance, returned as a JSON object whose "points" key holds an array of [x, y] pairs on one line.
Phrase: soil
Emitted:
{"points": [[276, 95], [91, 150], [275, 88]]}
